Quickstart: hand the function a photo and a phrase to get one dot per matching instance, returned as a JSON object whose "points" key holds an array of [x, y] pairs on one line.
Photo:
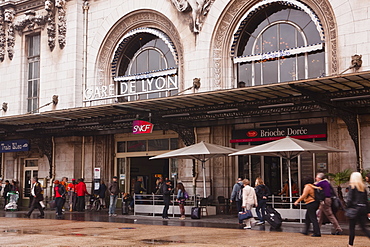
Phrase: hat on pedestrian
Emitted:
{"points": [[56, 182], [73, 179]]}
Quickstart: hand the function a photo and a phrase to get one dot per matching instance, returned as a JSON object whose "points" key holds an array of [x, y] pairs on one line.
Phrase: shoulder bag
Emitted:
{"points": [[246, 214]]}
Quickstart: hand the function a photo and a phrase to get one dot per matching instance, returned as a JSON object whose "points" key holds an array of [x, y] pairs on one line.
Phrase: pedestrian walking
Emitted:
{"points": [[325, 206], [81, 193], [308, 196], [262, 193], [65, 183], [113, 189], [359, 204], [181, 198], [72, 196], [101, 193], [158, 185], [166, 192], [7, 188], [37, 196], [237, 196], [59, 194], [249, 200]]}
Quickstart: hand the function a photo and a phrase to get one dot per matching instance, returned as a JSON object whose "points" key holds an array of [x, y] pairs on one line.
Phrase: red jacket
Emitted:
{"points": [[81, 189]]}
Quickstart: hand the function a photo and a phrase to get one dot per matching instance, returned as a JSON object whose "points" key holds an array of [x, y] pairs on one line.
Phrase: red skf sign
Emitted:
{"points": [[141, 127]]}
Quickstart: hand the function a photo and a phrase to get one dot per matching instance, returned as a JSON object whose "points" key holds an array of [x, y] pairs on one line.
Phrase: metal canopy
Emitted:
{"points": [[340, 86]]}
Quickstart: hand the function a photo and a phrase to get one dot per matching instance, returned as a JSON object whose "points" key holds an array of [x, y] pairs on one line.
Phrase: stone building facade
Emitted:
{"points": [[76, 74]]}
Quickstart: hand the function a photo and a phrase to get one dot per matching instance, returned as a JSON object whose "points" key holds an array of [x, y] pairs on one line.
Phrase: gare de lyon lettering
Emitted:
{"points": [[136, 84]]}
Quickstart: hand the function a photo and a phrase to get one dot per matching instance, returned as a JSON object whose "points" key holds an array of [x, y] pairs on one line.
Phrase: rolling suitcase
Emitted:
{"points": [[195, 213], [273, 217]]}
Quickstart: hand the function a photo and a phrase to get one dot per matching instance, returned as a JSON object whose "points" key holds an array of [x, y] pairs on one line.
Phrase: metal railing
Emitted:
{"points": [[153, 204]]}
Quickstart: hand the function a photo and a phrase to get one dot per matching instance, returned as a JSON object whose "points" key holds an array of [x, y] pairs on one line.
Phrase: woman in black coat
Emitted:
{"points": [[357, 199]]}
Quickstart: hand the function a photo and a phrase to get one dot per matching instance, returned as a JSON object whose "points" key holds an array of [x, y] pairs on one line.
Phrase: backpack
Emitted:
{"points": [[239, 196], [186, 195], [319, 194]]}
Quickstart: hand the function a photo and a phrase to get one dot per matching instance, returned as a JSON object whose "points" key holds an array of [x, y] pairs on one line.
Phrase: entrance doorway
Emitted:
{"points": [[273, 170], [31, 169], [149, 170]]}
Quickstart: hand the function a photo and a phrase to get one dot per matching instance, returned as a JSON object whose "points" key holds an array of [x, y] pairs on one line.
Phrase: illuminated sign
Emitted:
{"points": [[14, 146], [142, 127], [134, 85], [275, 133]]}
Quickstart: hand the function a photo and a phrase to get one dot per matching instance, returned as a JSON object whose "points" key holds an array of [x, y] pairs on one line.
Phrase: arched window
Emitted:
{"points": [[146, 65], [279, 43]]}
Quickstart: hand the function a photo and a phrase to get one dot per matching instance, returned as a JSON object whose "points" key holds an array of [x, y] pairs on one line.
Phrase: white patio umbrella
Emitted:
{"points": [[288, 148], [201, 151]]}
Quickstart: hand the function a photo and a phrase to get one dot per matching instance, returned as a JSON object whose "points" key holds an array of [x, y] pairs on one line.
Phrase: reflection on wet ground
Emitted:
{"points": [[161, 242], [22, 231], [218, 221]]}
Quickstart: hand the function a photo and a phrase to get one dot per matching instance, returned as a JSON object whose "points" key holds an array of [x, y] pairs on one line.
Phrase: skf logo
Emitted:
{"points": [[252, 133], [141, 127]]}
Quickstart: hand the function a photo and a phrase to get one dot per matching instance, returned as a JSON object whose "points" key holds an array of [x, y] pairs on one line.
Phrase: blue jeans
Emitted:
{"points": [[112, 204], [261, 210]]}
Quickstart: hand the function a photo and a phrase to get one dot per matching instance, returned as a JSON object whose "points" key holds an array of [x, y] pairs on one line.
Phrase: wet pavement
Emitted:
{"points": [[98, 229]]}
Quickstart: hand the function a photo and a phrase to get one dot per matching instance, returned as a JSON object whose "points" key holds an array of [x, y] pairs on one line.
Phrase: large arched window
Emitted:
{"points": [[146, 65], [278, 43]]}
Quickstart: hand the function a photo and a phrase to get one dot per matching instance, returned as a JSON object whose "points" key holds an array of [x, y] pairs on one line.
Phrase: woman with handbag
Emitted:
{"points": [[308, 195], [249, 200], [357, 206]]}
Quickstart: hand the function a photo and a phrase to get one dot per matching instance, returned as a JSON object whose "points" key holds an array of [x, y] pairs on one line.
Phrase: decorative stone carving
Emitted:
{"points": [[9, 15], [2, 37], [29, 21], [51, 26], [199, 9], [62, 24], [10, 41]]}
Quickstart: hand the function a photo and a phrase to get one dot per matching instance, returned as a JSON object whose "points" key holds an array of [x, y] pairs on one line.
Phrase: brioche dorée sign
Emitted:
{"points": [[275, 133], [141, 127]]}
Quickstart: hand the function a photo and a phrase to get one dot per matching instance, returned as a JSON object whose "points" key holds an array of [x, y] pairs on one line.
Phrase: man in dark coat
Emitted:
{"points": [[37, 196], [166, 191], [7, 188], [113, 189]]}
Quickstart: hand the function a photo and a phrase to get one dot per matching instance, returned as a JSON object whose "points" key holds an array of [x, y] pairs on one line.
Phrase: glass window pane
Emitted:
{"points": [[287, 69], [30, 71], [316, 65], [312, 34], [35, 104], [35, 88], [30, 85], [257, 73], [299, 17], [154, 60], [301, 67], [245, 74], [270, 72], [36, 69], [121, 147], [174, 143], [142, 62], [136, 146], [36, 45], [306, 165], [281, 15], [249, 46], [158, 144], [31, 163], [287, 37], [269, 40]]}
